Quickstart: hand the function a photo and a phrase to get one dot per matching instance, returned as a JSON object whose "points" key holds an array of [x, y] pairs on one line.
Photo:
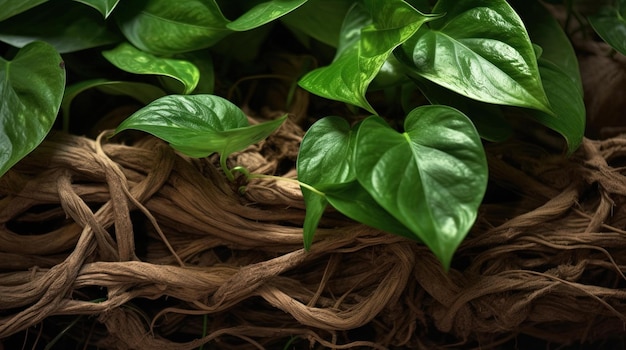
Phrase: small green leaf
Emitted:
{"points": [[166, 27], [105, 7], [199, 125], [324, 158], [31, 89], [128, 58], [479, 49], [610, 25], [66, 25], [264, 13], [368, 36], [431, 178], [11, 8]]}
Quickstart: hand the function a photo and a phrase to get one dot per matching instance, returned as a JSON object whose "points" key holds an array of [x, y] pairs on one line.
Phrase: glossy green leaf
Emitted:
{"points": [[66, 25], [610, 24], [199, 125], [479, 49], [105, 7], [165, 27], [31, 89], [320, 19], [431, 178], [264, 13], [130, 59], [203, 61], [11, 8], [369, 35], [560, 74], [324, 158]]}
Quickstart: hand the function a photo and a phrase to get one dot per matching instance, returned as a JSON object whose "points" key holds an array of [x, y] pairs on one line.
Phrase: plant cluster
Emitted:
{"points": [[473, 60]]}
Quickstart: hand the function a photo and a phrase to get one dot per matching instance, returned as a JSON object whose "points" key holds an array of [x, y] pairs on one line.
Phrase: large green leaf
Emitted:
{"points": [[66, 25], [324, 158], [610, 24], [431, 178], [263, 13], [11, 8], [166, 27], [31, 89], [105, 7], [479, 49], [130, 59], [368, 36], [199, 125]]}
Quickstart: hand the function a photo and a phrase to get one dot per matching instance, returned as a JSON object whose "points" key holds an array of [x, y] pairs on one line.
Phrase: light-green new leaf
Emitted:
{"points": [[166, 27], [128, 58], [199, 125], [431, 178], [264, 13], [479, 49], [368, 36], [31, 89]]}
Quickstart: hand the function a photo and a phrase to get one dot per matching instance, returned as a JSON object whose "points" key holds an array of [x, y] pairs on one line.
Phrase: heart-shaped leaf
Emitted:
{"points": [[368, 36], [68, 26], [199, 125], [31, 89], [182, 25], [431, 178], [264, 13], [479, 49], [128, 58], [319, 19], [11, 8], [610, 24], [105, 7]]}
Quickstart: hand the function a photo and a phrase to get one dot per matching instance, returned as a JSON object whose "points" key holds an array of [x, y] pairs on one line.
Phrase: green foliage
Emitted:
{"points": [[31, 89], [473, 60]]}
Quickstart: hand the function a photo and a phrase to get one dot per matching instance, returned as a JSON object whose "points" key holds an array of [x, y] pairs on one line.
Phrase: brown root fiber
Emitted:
{"points": [[156, 251]]}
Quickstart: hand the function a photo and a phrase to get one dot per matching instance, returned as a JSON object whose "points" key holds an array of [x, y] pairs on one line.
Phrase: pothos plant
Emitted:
{"points": [[471, 59]]}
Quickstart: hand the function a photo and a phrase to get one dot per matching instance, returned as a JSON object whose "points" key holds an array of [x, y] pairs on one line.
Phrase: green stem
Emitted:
{"points": [[250, 176], [228, 172]]}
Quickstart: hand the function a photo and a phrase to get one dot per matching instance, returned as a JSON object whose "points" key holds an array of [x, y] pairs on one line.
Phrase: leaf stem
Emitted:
{"points": [[228, 172], [250, 176]]}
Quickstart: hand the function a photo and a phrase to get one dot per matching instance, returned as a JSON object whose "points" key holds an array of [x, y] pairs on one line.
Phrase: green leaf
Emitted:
{"points": [[479, 49], [165, 27], [431, 178], [368, 35], [105, 7], [610, 25], [324, 158], [320, 19], [199, 125], [11, 8], [66, 25], [263, 13], [31, 89], [128, 58], [560, 74]]}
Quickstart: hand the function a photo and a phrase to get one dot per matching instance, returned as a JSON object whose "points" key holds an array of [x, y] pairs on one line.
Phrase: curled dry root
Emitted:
{"points": [[159, 250]]}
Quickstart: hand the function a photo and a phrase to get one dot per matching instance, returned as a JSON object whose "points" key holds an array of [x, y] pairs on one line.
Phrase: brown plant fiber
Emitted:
{"points": [[146, 243]]}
